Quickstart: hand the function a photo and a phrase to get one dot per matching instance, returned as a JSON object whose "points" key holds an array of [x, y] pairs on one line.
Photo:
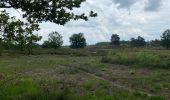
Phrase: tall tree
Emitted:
{"points": [[78, 41], [115, 40], [165, 39], [56, 11], [54, 41]]}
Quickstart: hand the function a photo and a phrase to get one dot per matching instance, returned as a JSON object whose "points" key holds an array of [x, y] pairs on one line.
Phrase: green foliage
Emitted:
{"points": [[115, 40], [57, 11], [8, 45], [25, 37], [19, 90], [54, 41], [139, 42], [77, 41], [17, 32], [139, 59], [31, 40], [4, 17], [165, 39]]}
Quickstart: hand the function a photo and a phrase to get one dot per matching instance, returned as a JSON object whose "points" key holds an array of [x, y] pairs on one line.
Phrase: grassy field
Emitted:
{"points": [[86, 74]]}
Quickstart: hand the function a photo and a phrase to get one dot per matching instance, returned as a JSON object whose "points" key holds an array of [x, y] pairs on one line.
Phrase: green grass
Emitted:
{"points": [[75, 77], [18, 89], [142, 59]]}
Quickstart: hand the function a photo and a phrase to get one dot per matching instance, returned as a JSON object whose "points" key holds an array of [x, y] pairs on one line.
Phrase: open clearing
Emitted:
{"points": [[77, 77]]}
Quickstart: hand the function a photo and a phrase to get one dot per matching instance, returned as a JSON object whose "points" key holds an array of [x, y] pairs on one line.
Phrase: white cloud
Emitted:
{"points": [[128, 18]]}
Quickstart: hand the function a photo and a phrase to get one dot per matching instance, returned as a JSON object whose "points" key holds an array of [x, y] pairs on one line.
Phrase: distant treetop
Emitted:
{"points": [[138, 42]]}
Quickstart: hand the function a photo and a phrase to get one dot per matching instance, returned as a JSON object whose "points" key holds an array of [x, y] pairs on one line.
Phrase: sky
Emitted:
{"points": [[127, 18]]}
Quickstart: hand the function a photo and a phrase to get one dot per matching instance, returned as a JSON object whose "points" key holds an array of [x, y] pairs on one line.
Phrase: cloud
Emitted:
{"points": [[127, 18], [124, 3], [153, 5], [113, 20]]}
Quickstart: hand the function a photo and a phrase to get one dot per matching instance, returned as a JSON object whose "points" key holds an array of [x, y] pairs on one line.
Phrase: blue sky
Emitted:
{"points": [[128, 18]]}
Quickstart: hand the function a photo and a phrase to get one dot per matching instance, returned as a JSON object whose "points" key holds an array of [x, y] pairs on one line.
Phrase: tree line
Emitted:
{"points": [[79, 41], [140, 41], [22, 35]]}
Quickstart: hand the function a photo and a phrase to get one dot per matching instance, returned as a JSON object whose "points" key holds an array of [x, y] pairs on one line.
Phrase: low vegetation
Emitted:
{"points": [[82, 75], [139, 58]]}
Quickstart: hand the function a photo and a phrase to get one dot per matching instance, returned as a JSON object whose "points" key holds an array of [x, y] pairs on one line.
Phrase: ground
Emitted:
{"points": [[78, 75]]}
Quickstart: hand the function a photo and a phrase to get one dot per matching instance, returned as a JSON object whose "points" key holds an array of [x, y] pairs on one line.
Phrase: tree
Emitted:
{"points": [[139, 42], [78, 41], [31, 40], [54, 41], [24, 36], [115, 40], [57, 11], [17, 31], [165, 39]]}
